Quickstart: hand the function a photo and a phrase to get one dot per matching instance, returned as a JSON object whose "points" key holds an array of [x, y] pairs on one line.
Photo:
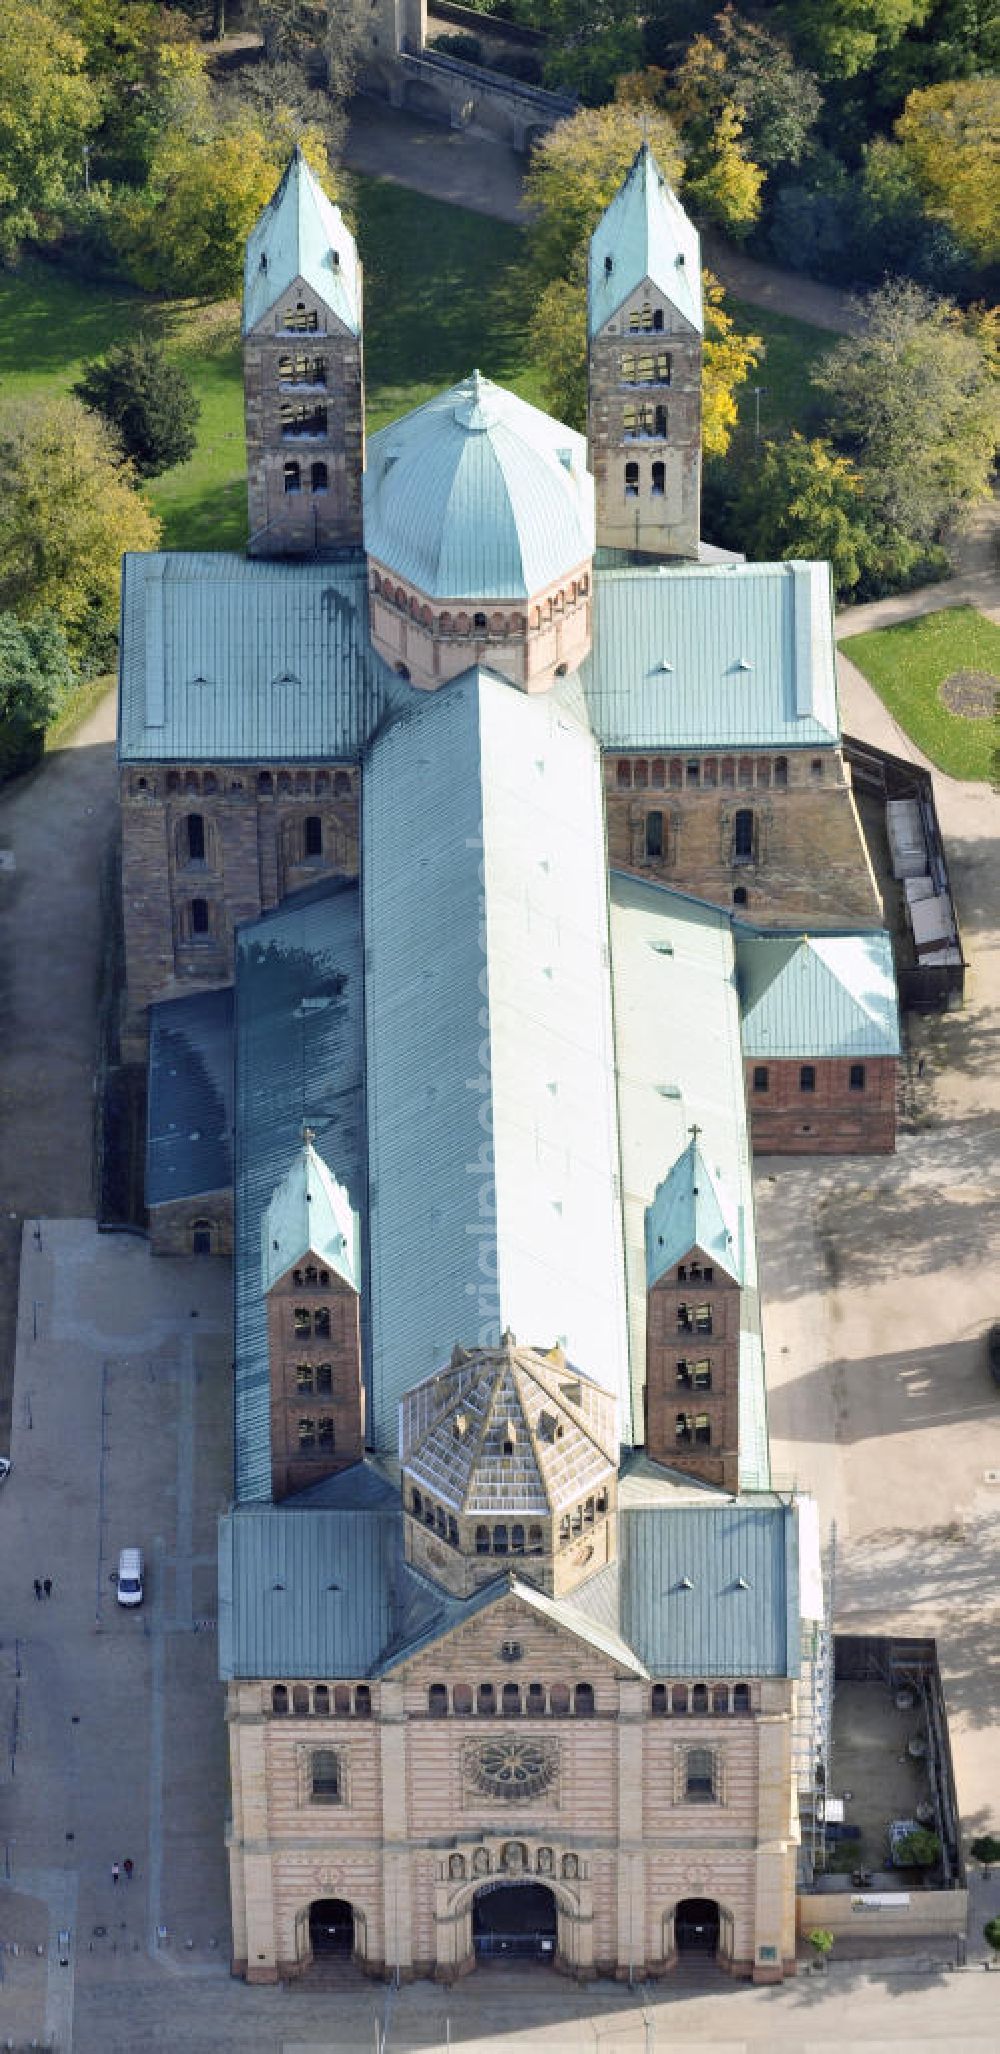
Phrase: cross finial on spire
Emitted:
{"points": [[308, 1135], [694, 1130]]}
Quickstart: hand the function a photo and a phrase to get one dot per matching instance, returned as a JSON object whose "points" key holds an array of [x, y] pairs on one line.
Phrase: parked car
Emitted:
{"points": [[130, 1576], [993, 1351]]}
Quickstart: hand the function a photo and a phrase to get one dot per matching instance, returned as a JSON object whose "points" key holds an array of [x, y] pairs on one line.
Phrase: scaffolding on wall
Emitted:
{"points": [[812, 1729]]}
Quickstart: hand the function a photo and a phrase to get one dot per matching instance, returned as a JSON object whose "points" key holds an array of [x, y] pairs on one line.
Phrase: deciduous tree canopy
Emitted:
{"points": [[68, 511], [47, 109], [915, 398], [950, 137]]}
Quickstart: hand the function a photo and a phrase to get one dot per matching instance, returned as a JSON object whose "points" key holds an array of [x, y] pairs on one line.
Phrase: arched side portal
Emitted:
{"points": [[698, 1928], [515, 1921], [697, 1924], [328, 1931]]}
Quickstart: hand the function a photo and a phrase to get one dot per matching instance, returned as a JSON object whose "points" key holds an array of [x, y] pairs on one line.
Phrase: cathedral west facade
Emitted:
{"points": [[487, 845]]}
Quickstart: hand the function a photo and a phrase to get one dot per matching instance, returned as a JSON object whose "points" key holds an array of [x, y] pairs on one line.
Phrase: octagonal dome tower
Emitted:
{"points": [[479, 527], [510, 1461]]}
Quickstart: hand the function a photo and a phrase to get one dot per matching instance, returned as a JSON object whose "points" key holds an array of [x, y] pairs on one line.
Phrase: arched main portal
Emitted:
{"points": [[331, 1929], [696, 1927], [514, 1921]]}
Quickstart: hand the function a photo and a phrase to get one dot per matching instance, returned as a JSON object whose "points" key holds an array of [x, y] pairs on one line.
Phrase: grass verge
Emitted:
{"points": [[908, 663], [78, 708]]}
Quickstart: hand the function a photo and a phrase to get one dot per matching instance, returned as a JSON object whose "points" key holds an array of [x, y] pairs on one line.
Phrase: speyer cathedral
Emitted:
{"points": [[492, 885]]}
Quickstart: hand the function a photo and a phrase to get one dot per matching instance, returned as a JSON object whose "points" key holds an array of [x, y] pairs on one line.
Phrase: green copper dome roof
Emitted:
{"points": [[644, 234], [478, 495], [301, 234]]}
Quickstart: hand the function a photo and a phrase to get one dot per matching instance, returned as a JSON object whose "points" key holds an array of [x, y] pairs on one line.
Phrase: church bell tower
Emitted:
{"points": [[303, 374], [645, 341]]}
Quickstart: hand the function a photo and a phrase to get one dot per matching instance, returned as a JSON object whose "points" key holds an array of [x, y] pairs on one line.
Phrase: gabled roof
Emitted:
{"points": [[301, 235], [309, 1214], [478, 495], [822, 995], [493, 1158], [690, 1211], [644, 234], [707, 658], [560, 1612], [511, 1430], [697, 1591]]}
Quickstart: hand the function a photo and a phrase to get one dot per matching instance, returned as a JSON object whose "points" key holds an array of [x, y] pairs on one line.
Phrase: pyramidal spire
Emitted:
{"points": [[645, 237], [309, 1214], [301, 238]]}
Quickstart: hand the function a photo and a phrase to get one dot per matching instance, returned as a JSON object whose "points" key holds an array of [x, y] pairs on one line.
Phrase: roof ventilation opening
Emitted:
{"points": [[685, 1583], [263, 260], [665, 664], [335, 259], [741, 1583], [680, 256], [565, 458], [744, 663], [460, 1426], [509, 1437], [609, 265]]}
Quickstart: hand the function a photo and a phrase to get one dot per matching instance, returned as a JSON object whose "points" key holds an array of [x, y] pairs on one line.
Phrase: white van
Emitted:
{"points": [[130, 1576]]}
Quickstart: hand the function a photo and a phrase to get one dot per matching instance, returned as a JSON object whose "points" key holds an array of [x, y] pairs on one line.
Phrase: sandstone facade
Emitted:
{"points": [[622, 1833], [775, 837], [263, 832]]}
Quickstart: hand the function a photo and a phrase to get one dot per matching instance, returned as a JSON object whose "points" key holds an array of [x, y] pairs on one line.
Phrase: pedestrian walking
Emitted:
{"points": [[47, 1586], [128, 1866], [38, 1587], [115, 1872]]}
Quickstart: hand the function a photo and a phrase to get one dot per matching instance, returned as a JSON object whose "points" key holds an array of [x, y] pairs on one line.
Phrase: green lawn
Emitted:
{"points": [[907, 664], [445, 291], [791, 348]]}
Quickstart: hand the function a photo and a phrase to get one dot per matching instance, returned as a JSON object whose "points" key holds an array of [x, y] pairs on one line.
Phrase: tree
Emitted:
{"points": [[186, 233], [67, 512], [47, 110], [914, 398], [840, 38], [742, 65], [950, 138], [36, 675], [149, 401], [918, 1850], [589, 43], [821, 1940], [991, 1934], [722, 183], [802, 500], [149, 75], [727, 361], [576, 170], [986, 1850]]}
